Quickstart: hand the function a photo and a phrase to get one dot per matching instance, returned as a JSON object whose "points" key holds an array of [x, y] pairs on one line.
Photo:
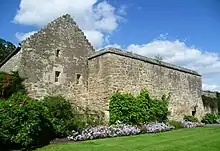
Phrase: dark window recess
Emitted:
{"points": [[57, 74], [78, 76], [58, 53], [194, 112]]}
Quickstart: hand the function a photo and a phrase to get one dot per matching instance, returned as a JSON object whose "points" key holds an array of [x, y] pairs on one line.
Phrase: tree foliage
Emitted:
{"points": [[5, 48], [10, 83], [23, 123]]}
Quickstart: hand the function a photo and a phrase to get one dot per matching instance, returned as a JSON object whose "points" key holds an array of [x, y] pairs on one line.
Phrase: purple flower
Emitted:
{"points": [[189, 124], [21, 105]]}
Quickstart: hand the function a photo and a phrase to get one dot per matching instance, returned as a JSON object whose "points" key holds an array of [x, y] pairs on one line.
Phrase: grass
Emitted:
{"points": [[195, 139]]}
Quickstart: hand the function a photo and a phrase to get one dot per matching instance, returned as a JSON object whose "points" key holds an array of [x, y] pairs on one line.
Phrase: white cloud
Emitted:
{"points": [[211, 87], [178, 52], [92, 16], [114, 46], [95, 37], [23, 36]]}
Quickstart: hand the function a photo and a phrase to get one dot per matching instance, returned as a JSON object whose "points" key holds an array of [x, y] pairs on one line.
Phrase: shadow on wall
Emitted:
{"points": [[211, 102]]}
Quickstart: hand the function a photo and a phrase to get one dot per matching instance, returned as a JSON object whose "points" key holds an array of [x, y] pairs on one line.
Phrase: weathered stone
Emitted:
{"points": [[60, 60], [208, 109], [112, 70], [38, 62]]}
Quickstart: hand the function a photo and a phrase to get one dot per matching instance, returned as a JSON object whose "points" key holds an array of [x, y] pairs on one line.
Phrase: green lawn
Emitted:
{"points": [[195, 139]]}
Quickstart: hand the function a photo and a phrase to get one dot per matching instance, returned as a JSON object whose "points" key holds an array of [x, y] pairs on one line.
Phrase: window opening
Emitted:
{"points": [[78, 76], [57, 74], [58, 53]]}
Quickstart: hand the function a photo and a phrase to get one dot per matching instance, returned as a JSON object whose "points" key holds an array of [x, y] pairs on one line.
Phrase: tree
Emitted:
{"points": [[5, 48]]}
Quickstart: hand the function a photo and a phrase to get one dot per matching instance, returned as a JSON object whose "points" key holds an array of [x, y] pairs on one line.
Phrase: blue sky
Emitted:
{"points": [[182, 32], [198, 21]]}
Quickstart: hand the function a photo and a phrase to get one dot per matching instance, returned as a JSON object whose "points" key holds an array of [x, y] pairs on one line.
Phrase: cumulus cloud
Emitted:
{"points": [[178, 52], [23, 36], [97, 37], [93, 16]]}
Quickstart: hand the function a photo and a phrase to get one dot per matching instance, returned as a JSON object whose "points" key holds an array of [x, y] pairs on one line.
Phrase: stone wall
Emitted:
{"points": [[54, 61], [98, 82], [128, 73], [13, 64], [59, 60], [208, 109]]}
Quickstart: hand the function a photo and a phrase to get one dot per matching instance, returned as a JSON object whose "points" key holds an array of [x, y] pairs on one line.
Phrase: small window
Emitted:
{"points": [[78, 76], [194, 111], [57, 74], [57, 52]]}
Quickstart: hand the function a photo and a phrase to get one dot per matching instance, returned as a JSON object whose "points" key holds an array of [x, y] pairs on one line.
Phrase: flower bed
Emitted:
{"points": [[156, 127], [105, 132], [188, 124], [125, 130], [118, 130]]}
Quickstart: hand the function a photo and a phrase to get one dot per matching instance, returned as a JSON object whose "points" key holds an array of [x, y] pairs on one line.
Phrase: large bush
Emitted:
{"points": [[23, 123], [10, 84], [66, 116], [137, 110], [85, 117], [210, 119], [28, 123], [60, 114]]}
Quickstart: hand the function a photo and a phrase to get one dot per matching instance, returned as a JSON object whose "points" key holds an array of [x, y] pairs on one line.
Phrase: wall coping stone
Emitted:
{"points": [[9, 56], [141, 58]]}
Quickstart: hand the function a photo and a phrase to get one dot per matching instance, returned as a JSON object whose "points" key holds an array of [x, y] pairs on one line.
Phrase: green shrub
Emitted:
{"points": [[190, 118], [84, 118], [210, 119], [23, 123], [137, 110], [60, 114], [176, 124], [66, 116], [10, 83]]}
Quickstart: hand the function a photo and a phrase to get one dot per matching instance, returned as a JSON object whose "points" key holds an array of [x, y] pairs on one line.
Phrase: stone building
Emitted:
{"points": [[59, 59], [211, 107]]}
